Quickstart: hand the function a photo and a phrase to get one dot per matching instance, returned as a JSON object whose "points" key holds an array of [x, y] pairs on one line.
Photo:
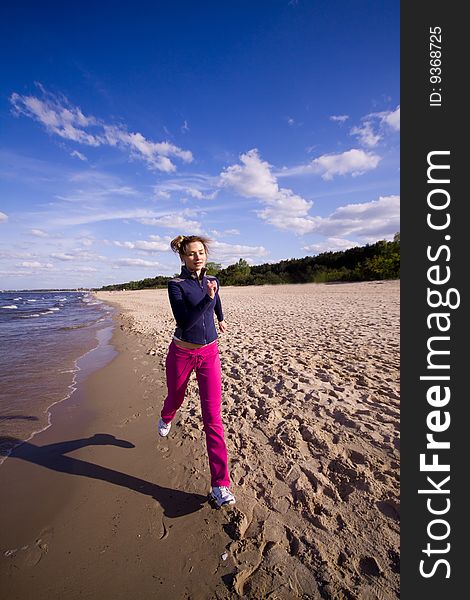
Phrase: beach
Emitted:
{"points": [[99, 505]]}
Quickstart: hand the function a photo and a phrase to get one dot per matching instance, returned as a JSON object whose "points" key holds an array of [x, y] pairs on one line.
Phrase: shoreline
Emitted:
{"points": [[80, 370]]}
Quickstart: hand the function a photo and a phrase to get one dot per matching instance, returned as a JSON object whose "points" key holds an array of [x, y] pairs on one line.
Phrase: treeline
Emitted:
{"points": [[366, 263], [150, 282]]}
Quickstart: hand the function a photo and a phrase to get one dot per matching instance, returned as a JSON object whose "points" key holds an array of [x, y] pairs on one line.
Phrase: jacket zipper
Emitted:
{"points": [[203, 316]]}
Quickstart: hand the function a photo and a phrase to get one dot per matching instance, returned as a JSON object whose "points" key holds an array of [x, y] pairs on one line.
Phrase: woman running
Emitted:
{"points": [[194, 297]]}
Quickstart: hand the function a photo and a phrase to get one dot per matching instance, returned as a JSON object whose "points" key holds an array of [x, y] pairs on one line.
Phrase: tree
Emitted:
{"points": [[237, 274], [213, 268]]}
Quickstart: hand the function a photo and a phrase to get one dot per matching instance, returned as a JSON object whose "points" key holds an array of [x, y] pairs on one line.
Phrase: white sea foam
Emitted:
{"points": [[12, 306]]}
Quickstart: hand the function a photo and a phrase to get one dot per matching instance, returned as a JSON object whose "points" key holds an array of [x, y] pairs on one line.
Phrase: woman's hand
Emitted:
{"points": [[211, 288], [222, 326]]}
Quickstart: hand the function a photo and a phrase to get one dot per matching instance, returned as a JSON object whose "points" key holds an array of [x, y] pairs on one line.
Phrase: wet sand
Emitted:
{"points": [[311, 410]]}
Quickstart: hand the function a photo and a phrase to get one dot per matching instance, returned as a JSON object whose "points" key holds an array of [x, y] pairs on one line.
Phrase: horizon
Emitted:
{"points": [[272, 128]]}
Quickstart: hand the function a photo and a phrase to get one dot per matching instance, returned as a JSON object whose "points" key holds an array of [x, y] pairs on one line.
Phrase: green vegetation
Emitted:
{"points": [[366, 263], [150, 282]]}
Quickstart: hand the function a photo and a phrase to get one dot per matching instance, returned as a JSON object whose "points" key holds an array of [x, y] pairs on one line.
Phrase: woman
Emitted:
{"points": [[194, 297]]}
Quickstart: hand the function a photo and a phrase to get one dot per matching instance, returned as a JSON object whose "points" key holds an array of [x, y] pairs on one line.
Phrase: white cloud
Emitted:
{"points": [[86, 241], [353, 162], [331, 244], [16, 273], [15, 255], [34, 264], [163, 194], [174, 221], [39, 233], [62, 256], [92, 194], [57, 116], [367, 221], [61, 118], [138, 214], [100, 180], [339, 118], [218, 234], [79, 155], [194, 193], [86, 270], [196, 186], [134, 262], [227, 254], [154, 246], [88, 256], [3, 217], [366, 134], [155, 154], [284, 209], [391, 118], [376, 125], [253, 179]]}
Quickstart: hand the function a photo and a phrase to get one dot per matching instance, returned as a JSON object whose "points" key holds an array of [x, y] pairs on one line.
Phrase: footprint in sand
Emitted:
{"points": [[128, 420], [369, 566], [389, 508], [32, 554]]}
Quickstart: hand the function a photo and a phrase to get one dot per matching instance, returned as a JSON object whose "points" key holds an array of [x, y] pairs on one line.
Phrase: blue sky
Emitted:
{"points": [[272, 127]]}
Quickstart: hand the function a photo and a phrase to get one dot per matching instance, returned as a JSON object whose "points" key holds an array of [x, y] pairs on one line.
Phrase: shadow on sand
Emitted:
{"points": [[174, 502]]}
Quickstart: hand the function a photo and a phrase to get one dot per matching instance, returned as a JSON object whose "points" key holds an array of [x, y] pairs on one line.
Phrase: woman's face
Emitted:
{"points": [[195, 257]]}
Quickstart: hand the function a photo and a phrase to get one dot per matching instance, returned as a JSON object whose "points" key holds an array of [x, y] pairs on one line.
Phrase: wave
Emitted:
{"points": [[12, 306], [80, 326]]}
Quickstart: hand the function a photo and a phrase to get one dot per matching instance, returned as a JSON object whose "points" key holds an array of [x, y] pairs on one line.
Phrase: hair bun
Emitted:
{"points": [[176, 243]]}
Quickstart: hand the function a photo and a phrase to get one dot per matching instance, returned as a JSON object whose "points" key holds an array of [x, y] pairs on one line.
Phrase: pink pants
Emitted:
{"points": [[180, 362]]}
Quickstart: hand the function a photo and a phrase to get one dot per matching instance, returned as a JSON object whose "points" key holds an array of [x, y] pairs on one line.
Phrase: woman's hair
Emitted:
{"points": [[180, 243]]}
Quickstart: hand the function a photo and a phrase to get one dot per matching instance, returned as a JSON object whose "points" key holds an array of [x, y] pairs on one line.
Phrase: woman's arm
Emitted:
{"points": [[218, 305]]}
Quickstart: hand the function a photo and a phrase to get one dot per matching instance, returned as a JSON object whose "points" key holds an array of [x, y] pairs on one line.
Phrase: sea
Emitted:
{"points": [[49, 342]]}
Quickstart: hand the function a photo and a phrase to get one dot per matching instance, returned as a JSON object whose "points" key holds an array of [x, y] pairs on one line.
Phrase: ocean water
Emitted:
{"points": [[44, 336]]}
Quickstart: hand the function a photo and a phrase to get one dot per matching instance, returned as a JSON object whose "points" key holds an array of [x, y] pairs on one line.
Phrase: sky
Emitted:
{"points": [[271, 127]]}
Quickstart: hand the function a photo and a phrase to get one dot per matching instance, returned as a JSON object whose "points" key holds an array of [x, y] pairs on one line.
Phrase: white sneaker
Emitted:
{"points": [[222, 495], [163, 428]]}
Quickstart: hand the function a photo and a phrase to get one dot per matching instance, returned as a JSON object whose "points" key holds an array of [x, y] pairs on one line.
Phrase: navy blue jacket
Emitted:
{"points": [[193, 308]]}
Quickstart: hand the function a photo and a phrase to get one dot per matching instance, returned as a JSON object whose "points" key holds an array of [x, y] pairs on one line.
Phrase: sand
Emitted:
{"points": [[311, 411]]}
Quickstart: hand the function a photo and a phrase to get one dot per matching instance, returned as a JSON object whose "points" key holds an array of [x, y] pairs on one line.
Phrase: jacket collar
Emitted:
{"points": [[186, 273]]}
